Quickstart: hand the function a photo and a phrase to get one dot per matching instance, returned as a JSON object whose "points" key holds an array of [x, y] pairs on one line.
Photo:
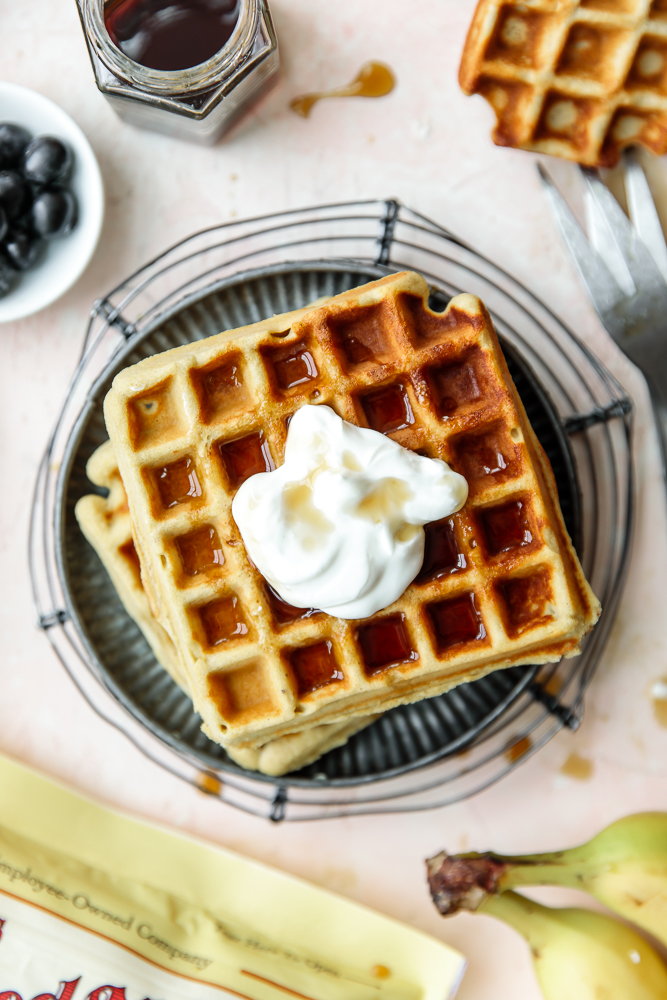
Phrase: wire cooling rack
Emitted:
{"points": [[418, 757]]}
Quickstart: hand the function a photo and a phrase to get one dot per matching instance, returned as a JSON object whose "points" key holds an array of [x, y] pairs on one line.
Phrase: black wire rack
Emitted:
{"points": [[417, 757]]}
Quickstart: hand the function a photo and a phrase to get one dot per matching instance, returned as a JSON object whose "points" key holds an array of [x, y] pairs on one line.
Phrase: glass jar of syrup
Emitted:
{"points": [[187, 68]]}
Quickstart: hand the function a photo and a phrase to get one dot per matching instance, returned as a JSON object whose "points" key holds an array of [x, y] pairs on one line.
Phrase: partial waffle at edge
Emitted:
{"points": [[500, 586], [580, 79]]}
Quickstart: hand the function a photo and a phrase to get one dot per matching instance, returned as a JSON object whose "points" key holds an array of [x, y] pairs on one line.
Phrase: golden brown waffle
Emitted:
{"points": [[500, 585], [105, 521], [575, 78]]}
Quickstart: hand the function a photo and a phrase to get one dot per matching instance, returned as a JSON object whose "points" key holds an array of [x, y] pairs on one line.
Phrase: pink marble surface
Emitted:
{"points": [[429, 146]]}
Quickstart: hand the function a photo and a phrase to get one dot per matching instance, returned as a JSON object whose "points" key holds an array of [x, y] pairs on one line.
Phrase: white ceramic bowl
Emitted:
{"points": [[64, 259]]}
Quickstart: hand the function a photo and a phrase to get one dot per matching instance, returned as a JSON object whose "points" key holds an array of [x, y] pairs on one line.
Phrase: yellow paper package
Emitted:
{"points": [[97, 906]]}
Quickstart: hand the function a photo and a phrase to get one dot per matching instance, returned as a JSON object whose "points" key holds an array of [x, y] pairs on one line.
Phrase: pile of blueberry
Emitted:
{"points": [[35, 203]]}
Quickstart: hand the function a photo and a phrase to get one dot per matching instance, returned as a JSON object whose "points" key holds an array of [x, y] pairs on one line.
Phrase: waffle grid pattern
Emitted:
{"points": [[580, 79], [500, 586]]}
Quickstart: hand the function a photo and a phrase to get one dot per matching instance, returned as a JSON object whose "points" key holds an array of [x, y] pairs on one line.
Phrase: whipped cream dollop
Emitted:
{"points": [[339, 526]]}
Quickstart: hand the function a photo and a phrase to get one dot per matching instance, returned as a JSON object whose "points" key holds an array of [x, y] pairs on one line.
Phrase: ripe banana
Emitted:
{"points": [[580, 955], [625, 867]]}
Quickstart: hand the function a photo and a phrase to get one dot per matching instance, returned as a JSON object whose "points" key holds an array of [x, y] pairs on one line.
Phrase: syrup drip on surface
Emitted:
{"points": [[659, 697], [374, 79], [517, 750], [577, 767], [208, 784]]}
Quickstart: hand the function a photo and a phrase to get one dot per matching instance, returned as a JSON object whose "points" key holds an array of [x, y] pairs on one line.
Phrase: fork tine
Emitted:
{"points": [[602, 239], [643, 211], [602, 288], [638, 260]]}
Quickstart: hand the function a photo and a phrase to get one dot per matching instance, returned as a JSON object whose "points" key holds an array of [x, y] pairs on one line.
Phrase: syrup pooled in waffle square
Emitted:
{"points": [[105, 521], [580, 79], [500, 584]]}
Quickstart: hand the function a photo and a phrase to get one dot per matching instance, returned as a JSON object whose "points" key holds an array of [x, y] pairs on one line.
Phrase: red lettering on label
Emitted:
{"points": [[9, 995], [2, 924], [64, 993], [106, 993]]}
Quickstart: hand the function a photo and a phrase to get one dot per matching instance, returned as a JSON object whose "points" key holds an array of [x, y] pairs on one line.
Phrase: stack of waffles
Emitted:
{"points": [[500, 584], [575, 78]]}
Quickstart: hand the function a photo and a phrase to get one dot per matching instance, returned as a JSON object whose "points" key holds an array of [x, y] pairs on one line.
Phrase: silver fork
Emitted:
{"points": [[623, 265]]}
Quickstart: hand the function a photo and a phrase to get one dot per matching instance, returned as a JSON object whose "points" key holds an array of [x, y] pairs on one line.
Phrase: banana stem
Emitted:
{"points": [[532, 920], [565, 868], [465, 881]]}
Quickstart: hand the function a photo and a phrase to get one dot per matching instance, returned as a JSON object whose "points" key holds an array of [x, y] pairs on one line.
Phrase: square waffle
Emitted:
{"points": [[105, 521], [580, 79], [500, 585]]}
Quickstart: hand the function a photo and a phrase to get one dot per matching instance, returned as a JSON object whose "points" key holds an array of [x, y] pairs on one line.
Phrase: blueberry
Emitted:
{"points": [[21, 249], [7, 277], [54, 213], [13, 140], [14, 194], [46, 160], [4, 224]]}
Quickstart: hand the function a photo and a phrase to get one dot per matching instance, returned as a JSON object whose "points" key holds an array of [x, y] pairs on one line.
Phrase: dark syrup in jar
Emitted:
{"points": [[170, 34]]}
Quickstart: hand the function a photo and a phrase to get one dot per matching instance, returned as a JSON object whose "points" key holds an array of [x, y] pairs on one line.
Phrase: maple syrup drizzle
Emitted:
{"points": [[315, 667], [517, 750], [384, 643], [223, 620], [374, 79], [388, 410], [200, 551]]}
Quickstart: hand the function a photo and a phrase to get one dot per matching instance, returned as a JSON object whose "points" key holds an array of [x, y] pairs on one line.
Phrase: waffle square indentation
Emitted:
{"points": [[360, 336], [384, 643], [220, 388], [154, 416], [314, 667], [131, 557], [512, 102], [658, 8], [222, 620], [489, 457], [593, 53], [635, 125], [526, 601], [292, 368], [457, 385], [245, 457], [505, 527], [177, 482], [567, 118], [518, 37], [426, 326], [649, 67], [242, 692], [442, 555], [388, 409], [620, 6], [200, 551], [455, 621], [284, 613]]}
